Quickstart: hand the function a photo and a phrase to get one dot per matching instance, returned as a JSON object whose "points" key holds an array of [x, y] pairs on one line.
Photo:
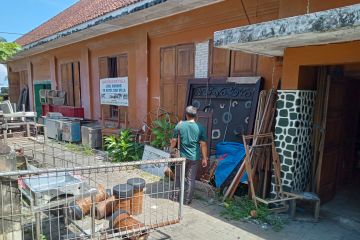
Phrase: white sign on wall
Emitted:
{"points": [[114, 91]]}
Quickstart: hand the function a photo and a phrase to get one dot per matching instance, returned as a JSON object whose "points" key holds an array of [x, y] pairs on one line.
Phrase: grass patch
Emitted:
{"points": [[243, 209], [82, 149], [149, 177]]}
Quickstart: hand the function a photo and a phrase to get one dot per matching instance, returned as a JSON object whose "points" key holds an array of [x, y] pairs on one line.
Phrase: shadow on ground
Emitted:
{"points": [[203, 220]]}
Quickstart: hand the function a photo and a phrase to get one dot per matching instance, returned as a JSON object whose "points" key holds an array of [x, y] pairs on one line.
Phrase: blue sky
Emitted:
{"points": [[21, 16]]}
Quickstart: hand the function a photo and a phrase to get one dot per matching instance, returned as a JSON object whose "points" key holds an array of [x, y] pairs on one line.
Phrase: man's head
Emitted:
{"points": [[190, 112]]}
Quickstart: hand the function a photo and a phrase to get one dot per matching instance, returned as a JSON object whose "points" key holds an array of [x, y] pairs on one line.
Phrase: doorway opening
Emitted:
{"points": [[335, 173]]}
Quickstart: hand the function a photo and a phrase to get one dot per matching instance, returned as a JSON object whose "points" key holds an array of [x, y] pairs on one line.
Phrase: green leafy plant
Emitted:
{"points": [[241, 209], [123, 148], [162, 131], [7, 49]]}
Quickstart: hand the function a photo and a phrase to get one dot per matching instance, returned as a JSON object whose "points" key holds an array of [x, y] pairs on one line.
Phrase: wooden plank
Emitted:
{"points": [[322, 141], [263, 125], [77, 84], [249, 172]]}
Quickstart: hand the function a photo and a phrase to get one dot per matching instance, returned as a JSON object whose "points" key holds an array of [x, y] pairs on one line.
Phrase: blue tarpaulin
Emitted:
{"points": [[229, 155]]}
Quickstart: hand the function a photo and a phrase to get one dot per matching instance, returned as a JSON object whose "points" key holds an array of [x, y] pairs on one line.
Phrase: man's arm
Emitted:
{"points": [[204, 153], [173, 142], [174, 139]]}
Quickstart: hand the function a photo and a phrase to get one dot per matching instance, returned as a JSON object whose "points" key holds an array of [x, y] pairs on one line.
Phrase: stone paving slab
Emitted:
{"points": [[203, 221]]}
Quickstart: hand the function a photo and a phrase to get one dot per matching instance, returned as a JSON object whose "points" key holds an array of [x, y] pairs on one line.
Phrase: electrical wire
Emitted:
{"points": [[247, 16], [12, 33]]}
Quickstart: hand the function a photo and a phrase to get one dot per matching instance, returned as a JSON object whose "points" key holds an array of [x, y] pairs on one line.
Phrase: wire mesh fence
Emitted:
{"points": [[75, 195]]}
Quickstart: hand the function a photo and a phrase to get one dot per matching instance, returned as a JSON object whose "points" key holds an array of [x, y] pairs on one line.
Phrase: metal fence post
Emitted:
{"points": [[182, 189]]}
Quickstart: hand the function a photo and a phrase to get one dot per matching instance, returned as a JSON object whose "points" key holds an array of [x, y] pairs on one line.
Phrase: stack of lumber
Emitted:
{"points": [[320, 114], [261, 160]]}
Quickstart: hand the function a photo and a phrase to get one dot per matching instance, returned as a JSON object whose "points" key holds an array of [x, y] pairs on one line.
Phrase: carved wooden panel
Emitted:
{"points": [[233, 107]]}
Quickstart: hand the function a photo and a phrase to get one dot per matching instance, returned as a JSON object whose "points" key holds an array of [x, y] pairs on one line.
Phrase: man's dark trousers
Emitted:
{"points": [[191, 169]]}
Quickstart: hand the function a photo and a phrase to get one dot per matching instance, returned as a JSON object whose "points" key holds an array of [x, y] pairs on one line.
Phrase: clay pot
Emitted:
{"points": [[82, 207]]}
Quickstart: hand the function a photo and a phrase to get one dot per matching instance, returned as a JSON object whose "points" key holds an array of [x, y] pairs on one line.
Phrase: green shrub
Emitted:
{"points": [[123, 148]]}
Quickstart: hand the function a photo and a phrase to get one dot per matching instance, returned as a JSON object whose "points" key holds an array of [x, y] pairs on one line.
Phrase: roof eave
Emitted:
{"points": [[131, 15], [273, 37]]}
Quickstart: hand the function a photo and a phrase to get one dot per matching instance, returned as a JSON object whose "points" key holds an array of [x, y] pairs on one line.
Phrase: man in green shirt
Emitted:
{"points": [[192, 141]]}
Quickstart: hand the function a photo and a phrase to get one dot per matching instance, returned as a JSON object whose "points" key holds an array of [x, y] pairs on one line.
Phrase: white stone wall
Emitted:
{"points": [[201, 59]]}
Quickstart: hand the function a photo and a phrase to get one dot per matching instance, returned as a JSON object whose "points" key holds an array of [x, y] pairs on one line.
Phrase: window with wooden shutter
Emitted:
{"points": [[225, 63], [110, 67], [122, 71], [243, 64], [219, 61], [103, 73], [176, 68]]}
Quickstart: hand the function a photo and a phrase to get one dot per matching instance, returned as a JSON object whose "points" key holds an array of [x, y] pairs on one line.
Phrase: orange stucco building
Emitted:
{"points": [[143, 43], [157, 47]]}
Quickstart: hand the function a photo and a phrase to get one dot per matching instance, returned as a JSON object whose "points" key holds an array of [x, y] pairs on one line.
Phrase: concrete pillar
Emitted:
{"points": [[202, 59], [53, 75], [141, 63], [293, 137]]}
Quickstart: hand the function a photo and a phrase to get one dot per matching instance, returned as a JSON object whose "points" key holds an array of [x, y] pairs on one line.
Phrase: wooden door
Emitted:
{"points": [[70, 83], [349, 136], [334, 137], [176, 68], [66, 77], [14, 86]]}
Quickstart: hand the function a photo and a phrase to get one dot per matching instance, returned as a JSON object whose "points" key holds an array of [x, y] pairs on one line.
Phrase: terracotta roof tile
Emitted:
{"points": [[80, 12]]}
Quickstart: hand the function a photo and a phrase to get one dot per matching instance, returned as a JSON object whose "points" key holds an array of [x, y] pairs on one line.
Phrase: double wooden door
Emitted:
{"points": [[70, 83], [177, 67]]}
